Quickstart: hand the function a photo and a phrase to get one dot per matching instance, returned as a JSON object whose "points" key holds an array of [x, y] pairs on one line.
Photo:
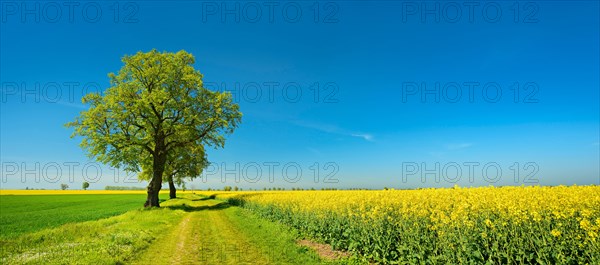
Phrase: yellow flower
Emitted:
{"points": [[592, 235], [555, 233], [585, 224], [489, 223]]}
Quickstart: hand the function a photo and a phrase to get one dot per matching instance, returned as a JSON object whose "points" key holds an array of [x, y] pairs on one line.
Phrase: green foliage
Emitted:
{"points": [[85, 185], [156, 118], [64, 186]]}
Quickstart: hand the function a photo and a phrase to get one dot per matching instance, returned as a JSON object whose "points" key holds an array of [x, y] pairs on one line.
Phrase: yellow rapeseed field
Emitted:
{"points": [[457, 225], [68, 192]]}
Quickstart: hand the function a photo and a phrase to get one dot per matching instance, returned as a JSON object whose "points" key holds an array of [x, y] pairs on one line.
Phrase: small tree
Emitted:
{"points": [[85, 185], [235, 188], [64, 186]]}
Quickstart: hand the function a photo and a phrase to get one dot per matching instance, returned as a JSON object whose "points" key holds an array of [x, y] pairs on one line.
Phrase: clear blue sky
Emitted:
{"points": [[372, 123]]}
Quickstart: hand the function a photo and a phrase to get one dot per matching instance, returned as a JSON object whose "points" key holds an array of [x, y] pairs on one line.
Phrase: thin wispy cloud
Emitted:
{"points": [[458, 146], [367, 137], [332, 129]]}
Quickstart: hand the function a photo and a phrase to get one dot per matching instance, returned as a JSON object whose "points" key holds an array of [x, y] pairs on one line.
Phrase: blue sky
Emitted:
{"points": [[347, 94]]}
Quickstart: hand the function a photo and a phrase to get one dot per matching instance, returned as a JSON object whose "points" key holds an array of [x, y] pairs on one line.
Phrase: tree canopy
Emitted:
{"points": [[157, 118]]}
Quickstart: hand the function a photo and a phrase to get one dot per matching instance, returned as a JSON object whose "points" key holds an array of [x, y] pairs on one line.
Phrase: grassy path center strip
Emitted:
{"points": [[213, 232]]}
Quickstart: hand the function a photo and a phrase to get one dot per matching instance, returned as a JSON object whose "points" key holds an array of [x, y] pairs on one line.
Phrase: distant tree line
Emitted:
{"points": [[229, 188]]}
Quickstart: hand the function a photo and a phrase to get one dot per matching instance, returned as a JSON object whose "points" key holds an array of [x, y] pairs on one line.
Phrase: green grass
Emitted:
{"points": [[29, 213], [190, 230], [214, 232], [276, 241], [115, 240]]}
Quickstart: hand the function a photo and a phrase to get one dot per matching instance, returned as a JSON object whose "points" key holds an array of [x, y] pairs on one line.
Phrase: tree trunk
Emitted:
{"points": [[172, 189], [155, 184], [153, 191]]}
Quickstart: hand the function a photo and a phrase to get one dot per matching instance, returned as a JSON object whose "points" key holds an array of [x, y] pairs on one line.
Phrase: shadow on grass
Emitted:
{"points": [[211, 197], [189, 208]]}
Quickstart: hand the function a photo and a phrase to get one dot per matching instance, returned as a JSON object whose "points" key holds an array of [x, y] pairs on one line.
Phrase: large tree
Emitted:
{"points": [[155, 113]]}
